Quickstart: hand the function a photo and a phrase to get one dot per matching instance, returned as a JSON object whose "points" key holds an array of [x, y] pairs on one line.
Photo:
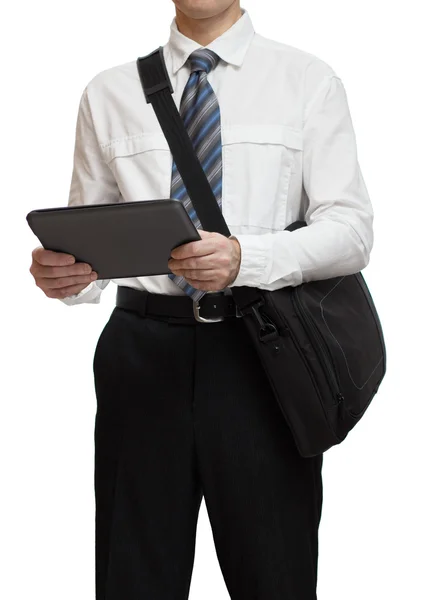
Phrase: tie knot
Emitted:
{"points": [[203, 59]]}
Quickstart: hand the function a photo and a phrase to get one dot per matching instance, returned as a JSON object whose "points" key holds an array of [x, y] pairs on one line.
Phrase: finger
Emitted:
{"points": [[206, 286], [204, 275], [200, 248], [47, 283], [51, 258], [203, 262], [47, 271]]}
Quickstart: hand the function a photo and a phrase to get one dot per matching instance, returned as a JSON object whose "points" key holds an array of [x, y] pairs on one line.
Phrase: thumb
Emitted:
{"points": [[205, 234]]}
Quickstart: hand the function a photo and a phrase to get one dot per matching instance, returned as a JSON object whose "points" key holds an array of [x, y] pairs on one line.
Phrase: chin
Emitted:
{"points": [[202, 9]]}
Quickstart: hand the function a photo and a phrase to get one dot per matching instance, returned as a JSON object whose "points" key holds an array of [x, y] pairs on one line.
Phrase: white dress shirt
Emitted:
{"points": [[288, 151]]}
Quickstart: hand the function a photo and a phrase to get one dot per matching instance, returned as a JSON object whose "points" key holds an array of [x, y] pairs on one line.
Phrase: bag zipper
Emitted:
{"points": [[313, 334]]}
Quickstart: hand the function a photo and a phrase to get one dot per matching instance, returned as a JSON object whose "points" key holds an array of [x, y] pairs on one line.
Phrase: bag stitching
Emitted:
{"points": [[343, 353]]}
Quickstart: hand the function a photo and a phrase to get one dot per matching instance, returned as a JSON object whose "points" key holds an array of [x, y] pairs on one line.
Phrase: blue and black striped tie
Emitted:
{"points": [[200, 112]]}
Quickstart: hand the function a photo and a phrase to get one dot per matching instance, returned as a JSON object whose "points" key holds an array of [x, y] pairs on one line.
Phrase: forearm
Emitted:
{"points": [[92, 182], [338, 212], [328, 247]]}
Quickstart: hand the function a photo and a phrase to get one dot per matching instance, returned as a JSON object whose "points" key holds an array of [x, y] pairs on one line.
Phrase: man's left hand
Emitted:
{"points": [[210, 264]]}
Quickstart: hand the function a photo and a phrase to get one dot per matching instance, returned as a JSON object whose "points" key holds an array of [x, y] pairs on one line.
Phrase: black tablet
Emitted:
{"points": [[127, 239]]}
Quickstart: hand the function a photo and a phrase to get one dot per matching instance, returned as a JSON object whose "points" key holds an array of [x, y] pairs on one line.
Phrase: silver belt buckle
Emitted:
{"points": [[199, 318]]}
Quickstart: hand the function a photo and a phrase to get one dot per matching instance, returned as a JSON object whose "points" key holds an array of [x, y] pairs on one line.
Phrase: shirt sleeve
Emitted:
{"points": [[92, 182], [339, 235]]}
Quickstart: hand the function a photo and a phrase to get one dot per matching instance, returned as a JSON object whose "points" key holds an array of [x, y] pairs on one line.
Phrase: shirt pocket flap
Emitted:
{"points": [[263, 134], [134, 145]]}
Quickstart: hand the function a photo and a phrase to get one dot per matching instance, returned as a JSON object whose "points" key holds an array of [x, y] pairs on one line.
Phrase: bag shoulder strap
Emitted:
{"points": [[157, 89]]}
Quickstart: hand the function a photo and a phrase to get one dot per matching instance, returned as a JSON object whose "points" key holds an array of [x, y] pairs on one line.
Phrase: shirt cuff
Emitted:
{"points": [[255, 250], [90, 294]]}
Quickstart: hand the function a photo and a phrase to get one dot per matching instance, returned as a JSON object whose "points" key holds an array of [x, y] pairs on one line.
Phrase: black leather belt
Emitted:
{"points": [[211, 308]]}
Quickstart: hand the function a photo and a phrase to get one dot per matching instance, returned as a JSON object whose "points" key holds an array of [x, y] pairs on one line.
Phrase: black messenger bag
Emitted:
{"points": [[320, 343]]}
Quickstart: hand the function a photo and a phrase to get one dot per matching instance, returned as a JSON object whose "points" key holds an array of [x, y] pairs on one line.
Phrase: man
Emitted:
{"points": [[184, 408]]}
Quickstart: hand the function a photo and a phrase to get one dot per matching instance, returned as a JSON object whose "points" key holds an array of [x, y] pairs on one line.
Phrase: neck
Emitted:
{"points": [[204, 31]]}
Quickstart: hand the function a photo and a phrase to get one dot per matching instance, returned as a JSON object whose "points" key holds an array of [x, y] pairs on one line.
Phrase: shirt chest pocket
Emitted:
{"points": [[260, 162], [261, 166], [141, 165]]}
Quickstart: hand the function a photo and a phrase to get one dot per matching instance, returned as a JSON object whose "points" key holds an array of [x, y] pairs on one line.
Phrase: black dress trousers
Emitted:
{"points": [[186, 411]]}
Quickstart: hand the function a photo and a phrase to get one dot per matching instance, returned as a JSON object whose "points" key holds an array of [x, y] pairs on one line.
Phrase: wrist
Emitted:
{"points": [[237, 248], [237, 245]]}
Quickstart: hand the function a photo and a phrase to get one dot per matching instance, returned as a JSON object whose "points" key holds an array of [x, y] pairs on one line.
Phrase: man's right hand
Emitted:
{"points": [[58, 274]]}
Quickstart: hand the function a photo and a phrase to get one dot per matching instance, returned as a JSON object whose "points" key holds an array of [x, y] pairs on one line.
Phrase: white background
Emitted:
{"points": [[378, 525]]}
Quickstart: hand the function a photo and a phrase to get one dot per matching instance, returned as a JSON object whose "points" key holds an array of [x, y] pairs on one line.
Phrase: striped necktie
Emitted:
{"points": [[200, 113]]}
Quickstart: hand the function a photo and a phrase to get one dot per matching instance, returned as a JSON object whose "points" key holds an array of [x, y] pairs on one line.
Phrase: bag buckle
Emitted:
{"points": [[268, 331], [158, 87]]}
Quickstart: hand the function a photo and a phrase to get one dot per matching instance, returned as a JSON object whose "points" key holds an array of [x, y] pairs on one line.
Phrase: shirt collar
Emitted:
{"points": [[230, 46]]}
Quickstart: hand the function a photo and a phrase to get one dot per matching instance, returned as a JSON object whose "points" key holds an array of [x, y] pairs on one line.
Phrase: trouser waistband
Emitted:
{"points": [[212, 307]]}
